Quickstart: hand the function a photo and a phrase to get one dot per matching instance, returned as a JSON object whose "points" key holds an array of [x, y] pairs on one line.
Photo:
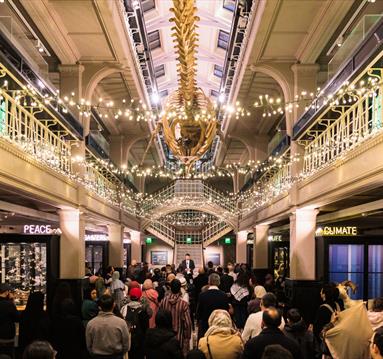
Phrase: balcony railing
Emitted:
{"points": [[355, 124]]}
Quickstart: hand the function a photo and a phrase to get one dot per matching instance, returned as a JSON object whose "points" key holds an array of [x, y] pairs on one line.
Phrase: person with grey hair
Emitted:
{"points": [[208, 301]]}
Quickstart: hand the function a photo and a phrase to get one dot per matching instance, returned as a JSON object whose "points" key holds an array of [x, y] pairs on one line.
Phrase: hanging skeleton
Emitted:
{"points": [[189, 125]]}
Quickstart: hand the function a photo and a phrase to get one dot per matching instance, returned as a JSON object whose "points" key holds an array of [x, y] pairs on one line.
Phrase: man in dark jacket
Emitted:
{"points": [[161, 341], [210, 300], [226, 281], [296, 329], [8, 317], [270, 334]]}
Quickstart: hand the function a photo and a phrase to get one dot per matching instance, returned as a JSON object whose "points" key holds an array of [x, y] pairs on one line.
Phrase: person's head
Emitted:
{"points": [[170, 277], [259, 291], [134, 262], [214, 279], [328, 293], [109, 270], [39, 350], [242, 279], [148, 284], [90, 293], [195, 354], [106, 303], [116, 275], [271, 318], [201, 270], [187, 256], [377, 304], [230, 267], [183, 282], [219, 270], [226, 270], [376, 347], [35, 303], [135, 294], [220, 318], [293, 316], [175, 286], [276, 351], [210, 265], [268, 300], [134, 284], [164, 319]]}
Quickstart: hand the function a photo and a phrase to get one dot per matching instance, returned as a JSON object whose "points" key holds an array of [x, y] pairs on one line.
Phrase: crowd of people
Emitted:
{"points": [[174, 313]]}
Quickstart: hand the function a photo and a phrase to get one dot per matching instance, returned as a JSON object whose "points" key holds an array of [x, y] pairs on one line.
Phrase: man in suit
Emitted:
{"points": [[188, 264], [271, 334]]}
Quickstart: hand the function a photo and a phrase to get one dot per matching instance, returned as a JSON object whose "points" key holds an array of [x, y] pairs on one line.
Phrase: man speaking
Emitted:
{"points": [[188, 264]]}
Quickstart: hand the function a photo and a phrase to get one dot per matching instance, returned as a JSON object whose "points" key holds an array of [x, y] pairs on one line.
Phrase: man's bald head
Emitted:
{"points": [[271, 318]]}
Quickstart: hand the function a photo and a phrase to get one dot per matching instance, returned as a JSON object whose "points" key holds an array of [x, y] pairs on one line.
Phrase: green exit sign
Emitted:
{"points": [[149, 240], [227, 240], [188, 240]]}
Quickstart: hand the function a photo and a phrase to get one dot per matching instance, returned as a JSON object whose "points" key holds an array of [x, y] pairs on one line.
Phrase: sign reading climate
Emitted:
{"points": [[337, 231]]}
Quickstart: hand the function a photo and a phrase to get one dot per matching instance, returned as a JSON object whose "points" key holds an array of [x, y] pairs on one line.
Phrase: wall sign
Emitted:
{"points": [[275, 238], [159, 258], [96, 237], [337, 231], [40, 229]]}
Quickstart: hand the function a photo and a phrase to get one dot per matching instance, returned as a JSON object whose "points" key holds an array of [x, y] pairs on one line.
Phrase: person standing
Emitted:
{"points": [[226, 281], [208, 301], [222, 340], [117, 289], [151, 296], [8, 317], [240, 296], [107, 336], [34, 321], [89, 308], [182, 324], [161, 341], [270, 334], [188, 264]]}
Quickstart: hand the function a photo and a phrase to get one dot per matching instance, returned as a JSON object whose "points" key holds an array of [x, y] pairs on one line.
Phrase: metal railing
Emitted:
{"points": [[192, 192], [19, 126], [214, 229], [355, 124]]}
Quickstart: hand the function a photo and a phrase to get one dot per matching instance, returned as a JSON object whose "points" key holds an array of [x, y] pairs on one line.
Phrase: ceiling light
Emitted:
{"points": [[221, 98], [339, 41], [155, 98]]}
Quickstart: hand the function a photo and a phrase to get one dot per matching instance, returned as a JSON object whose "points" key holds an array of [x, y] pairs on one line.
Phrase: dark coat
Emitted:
{"points": [[191, 264], [305, 339], [8, 317], [209, 301], [36, 327], [226, 283], [254, 347], [162, 343], [199, 282]]}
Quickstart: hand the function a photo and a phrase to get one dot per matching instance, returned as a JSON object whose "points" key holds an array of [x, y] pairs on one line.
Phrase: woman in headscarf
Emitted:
{"points": [[151, 296], [222, 340], [240, 296], [117, 289]]}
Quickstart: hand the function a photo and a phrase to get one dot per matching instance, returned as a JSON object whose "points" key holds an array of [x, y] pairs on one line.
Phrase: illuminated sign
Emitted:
{"points": [[149, 240], [336, 231], [275, 238], [96, 237], [40, 229], [188, 240], [227, 240]]}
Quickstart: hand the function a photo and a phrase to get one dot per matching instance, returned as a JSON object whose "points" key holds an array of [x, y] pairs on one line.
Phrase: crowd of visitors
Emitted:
{"points": [[175, 313]]}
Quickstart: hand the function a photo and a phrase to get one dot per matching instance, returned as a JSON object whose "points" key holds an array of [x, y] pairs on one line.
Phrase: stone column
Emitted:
{"points": [[241, 247], [116, 245], [135, 237], [302, 243], [72, 244], [261, 246]]}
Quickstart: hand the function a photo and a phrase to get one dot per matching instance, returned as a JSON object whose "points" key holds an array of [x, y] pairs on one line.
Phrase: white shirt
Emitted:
{"points": [[253, 326], [187, 263]]}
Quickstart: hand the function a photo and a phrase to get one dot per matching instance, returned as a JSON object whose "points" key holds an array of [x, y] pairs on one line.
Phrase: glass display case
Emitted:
{"points": [[29, 263], [24, 267]]}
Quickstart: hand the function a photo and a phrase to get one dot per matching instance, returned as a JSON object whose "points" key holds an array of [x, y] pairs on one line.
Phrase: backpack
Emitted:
{"points": [[133, 320]]}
